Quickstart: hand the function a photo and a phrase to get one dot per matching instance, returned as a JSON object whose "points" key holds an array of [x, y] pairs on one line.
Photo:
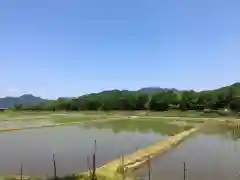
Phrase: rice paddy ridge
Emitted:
{"points": [[141, 156]]}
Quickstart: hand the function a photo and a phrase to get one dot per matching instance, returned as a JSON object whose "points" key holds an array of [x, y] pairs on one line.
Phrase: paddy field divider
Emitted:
{"points": [[141, 156], [59, 124]]}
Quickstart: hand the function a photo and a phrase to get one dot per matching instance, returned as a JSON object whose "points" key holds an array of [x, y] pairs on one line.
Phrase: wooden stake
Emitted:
{"points": [[54, 167], [21, 172], [184, 171], [123, 172], [149, 168]]}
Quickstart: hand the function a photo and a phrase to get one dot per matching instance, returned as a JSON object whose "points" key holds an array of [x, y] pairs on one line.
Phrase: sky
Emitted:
{"points": [[53, 48]]}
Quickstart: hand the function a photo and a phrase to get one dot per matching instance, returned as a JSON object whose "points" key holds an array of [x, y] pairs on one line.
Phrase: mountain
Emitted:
{"points": [[26, 99], [156, 89], [29, 99]]}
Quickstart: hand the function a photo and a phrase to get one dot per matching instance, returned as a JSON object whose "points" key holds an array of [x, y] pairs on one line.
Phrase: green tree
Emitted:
{"points": [[138, 100], [18, 107]]}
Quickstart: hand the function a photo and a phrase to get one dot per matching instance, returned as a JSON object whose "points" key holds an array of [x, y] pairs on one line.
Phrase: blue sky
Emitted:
{"points": [[68, 48]]}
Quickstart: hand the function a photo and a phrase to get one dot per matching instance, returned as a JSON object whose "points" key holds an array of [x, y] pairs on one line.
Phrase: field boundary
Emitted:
{"points": [[52, 124], [61, 124], [140, 157]]}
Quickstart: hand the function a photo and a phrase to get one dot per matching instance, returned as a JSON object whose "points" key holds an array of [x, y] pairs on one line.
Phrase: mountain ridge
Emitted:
{"points": [[25, 99], [29, 99]]}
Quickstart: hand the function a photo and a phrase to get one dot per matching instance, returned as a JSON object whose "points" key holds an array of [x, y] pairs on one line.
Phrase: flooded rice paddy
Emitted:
{"points": [[213, 153], [71, 145], [24, 124]]}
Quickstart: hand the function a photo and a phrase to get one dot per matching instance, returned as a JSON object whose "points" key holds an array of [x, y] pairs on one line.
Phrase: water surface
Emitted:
{"points": [[71, 145], [164, 127], [207, 155]]}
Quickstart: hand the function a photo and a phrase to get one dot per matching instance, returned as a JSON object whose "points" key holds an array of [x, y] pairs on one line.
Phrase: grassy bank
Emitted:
{"points": [[130, 162], [170, 113], [47, 119], [59, 117]]}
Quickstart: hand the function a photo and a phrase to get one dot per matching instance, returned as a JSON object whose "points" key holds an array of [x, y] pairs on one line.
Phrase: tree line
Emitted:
{"points": [[222, 98]]}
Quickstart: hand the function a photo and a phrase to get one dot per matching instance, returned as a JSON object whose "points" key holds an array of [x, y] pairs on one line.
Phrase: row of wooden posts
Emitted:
{"points": [[92, 167]]}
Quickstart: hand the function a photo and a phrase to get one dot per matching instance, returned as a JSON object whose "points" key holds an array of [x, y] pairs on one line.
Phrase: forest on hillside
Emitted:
{"points": [[225, 97]]}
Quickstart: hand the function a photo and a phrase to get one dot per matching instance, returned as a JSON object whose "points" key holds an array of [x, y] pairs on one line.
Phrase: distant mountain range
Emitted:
{"points": [[28, 99], [156, 89]]}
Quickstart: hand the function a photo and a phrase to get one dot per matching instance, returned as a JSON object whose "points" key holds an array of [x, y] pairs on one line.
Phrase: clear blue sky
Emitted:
{"points": [[54, 48]]}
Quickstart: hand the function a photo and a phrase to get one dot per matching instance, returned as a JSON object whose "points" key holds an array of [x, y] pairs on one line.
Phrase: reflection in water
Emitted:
{"points": [[143, 126]]}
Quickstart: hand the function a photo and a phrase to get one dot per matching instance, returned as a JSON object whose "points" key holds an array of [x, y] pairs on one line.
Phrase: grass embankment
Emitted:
{"points": [[191, 113], [33, 121], [47, 119], [57, 116], [69, 118], [138, 158], [64, 123], [9, 114]]}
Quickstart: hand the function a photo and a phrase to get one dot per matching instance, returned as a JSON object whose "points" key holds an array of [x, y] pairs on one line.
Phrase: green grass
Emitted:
{"points": [[69, 119], [190, 113], [78, 117], [61, 117], [54, 120], [34, 114], [10, 113], [155, 121]]}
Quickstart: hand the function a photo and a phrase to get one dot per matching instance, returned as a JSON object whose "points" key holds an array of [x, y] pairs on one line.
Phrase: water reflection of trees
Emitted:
{"points": [[160, 127]]}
